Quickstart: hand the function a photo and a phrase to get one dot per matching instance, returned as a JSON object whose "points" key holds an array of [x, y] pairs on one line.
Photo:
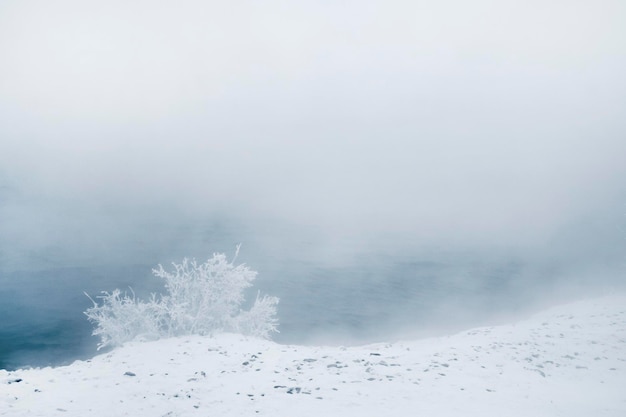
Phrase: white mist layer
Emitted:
{"points": [[569, 360]]}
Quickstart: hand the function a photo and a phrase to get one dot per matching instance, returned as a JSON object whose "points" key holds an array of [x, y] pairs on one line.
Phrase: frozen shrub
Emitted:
{"points": [[200, 299], [260, 320], [121, 318]]}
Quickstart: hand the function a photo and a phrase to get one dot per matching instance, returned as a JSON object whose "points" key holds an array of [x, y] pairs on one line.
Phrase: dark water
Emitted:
{"points": [[371, 300], [42, 312]]}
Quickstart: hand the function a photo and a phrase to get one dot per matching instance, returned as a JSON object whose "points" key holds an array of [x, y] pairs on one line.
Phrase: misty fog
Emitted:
{"points": [[391, 168]]}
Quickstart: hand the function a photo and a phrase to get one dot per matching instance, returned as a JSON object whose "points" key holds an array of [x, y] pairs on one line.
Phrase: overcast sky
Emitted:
{"points": [[483, 123]]}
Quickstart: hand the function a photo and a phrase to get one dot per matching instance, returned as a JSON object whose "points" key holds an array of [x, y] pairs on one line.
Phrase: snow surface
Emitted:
{"points": [[566, 361]]}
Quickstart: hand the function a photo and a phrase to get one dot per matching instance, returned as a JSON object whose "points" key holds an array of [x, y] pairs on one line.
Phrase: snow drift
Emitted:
{"points": [[569, 360]]}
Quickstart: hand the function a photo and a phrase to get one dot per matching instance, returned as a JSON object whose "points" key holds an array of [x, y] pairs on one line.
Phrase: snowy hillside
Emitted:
{"points": [[567, 361]]}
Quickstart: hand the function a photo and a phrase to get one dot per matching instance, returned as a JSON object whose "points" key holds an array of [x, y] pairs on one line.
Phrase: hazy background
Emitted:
{"points": [[391, 168]]}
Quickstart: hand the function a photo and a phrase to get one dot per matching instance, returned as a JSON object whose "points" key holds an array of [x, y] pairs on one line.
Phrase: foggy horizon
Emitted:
{"points": [[326, 138]]}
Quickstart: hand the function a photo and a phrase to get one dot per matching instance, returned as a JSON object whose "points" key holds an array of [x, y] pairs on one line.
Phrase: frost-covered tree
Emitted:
{"points": [[121, 318], [200, 299]]}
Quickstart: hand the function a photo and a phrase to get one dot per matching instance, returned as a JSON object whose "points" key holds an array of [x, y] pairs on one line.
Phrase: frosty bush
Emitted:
{"points": [[201, 299], [121, 318]]}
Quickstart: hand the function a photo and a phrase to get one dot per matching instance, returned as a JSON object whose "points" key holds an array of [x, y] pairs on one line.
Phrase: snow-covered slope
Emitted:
{"points": [[567, 361]]}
